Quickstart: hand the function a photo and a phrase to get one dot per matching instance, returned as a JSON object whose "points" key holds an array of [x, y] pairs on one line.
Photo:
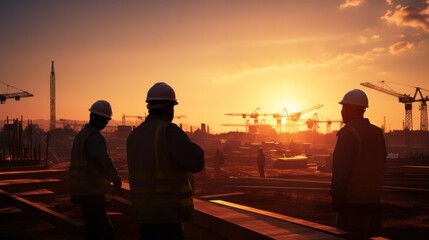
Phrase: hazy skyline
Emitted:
{"points": [[220, 56]]}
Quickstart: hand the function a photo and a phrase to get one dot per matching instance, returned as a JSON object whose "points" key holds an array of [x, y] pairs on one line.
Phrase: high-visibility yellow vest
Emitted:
{"points": [[160, 191], [365, 180], [85, 177]]}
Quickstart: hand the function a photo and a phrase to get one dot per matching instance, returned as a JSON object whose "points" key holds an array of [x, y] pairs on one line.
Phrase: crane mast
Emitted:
{"points": [[52, 99]]}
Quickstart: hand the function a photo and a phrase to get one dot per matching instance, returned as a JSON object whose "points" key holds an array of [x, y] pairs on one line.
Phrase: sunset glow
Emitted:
{"points": [[220, 56]]}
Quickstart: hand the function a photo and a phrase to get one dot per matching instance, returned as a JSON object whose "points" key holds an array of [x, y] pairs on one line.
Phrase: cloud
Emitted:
{"points": [[407, 16], [364, 39], [400, 47], [246, 71], [351, 3], [378, 50]]}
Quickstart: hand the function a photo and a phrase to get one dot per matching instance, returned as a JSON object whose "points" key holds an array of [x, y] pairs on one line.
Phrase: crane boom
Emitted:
{"points": [[317, 106], [17, 96], [403, 98], [407, 99]]}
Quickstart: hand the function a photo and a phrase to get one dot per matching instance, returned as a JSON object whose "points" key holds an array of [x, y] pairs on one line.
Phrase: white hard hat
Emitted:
{"points": [[355, 97], [102, 108], [160, 92]]}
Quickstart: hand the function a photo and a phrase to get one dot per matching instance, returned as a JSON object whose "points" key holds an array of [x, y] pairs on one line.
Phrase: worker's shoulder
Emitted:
{"points": [[369, 127], [173, 128], [137, 130], [95, 136], [88, 132], [346, 130], [375, 127]]}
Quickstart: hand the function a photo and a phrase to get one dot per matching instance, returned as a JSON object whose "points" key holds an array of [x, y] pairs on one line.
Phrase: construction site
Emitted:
{"points": [[292, 200]]}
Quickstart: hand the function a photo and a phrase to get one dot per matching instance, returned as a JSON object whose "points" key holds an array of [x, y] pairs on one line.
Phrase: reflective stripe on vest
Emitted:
{"points": [[163, 185]]}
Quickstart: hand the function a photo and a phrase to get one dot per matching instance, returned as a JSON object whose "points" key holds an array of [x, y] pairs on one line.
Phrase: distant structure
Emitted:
{"points": [[16, 95], [407, 99], [292, 119], [53, 117]]}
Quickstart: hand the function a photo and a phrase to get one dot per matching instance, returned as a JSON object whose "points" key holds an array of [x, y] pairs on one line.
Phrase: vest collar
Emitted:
{"points": [[91, 128], [155, 117], [355, 122]]}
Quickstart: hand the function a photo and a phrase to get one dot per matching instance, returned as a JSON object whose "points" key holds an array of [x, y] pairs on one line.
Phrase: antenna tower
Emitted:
{"points": [[53, 117]]}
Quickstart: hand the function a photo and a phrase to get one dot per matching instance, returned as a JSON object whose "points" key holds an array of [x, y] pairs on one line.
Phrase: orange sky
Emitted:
{"points": [[220, 56]]}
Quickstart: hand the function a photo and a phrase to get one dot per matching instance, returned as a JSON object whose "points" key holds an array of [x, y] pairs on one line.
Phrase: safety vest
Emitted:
{"points": [[366, 176], [85, 177], [160, 191]]}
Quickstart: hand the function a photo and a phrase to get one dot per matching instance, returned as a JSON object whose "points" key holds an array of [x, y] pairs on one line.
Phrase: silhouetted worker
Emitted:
{"points": [[92, 171], [357, 170], [160, 159], [218, 161], [261, 162]]}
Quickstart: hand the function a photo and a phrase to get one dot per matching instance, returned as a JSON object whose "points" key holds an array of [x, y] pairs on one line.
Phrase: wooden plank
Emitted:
{"points": [[37, 210], [23, 168], [22, 185], [213, 221], [308, 224], [10, 210], [264, 187], [278, 182], [415, 169], [35, 174], [234, 223], [38, 195], [405, 189], [221, 195]]}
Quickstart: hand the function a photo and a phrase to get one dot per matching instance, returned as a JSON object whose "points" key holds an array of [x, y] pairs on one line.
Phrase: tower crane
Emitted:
{"points": [[278, 117], [291, 117], [141, 118], [124, 118], [16, 95], [255, 115], [313, 123], [408, 100], [295, 116], [75, 124], [246, 125], [78, 124]]}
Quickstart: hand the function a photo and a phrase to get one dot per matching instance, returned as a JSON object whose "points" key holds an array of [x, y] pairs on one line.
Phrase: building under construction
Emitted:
{"points": [[22, 146]]}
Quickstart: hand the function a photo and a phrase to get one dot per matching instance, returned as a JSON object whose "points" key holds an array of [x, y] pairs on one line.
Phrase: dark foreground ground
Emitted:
{"points": [[405, 213]]}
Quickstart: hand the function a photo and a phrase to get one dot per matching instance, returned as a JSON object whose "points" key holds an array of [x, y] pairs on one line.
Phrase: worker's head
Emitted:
{"points": [[354, 104], [161, 100], [101, 113]]}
